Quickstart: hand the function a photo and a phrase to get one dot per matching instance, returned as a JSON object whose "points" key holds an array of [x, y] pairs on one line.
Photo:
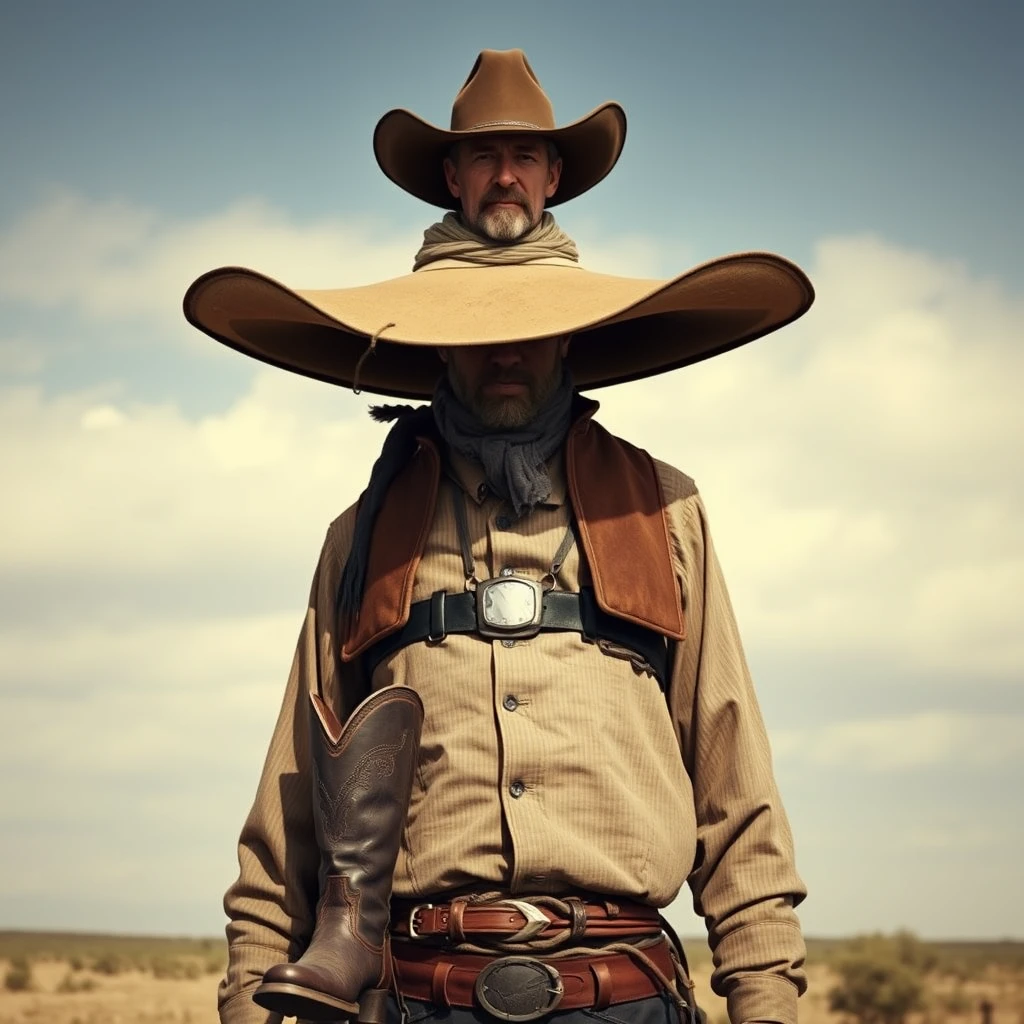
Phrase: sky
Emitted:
{"points": [[165, 498]]}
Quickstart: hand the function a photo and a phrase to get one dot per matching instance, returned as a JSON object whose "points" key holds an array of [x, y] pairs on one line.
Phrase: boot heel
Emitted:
{"points": [[373, 1006]]}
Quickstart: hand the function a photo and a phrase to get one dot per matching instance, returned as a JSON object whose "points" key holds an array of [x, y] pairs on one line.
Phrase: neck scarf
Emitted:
{"points": [[514, 459], [450, 239]]}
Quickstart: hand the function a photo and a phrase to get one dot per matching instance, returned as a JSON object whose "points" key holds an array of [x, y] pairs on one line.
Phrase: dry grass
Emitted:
{"points": [[119, 980]]}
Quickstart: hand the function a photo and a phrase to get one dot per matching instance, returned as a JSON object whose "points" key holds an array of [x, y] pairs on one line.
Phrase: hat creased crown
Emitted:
{"points": [[502, 92]]}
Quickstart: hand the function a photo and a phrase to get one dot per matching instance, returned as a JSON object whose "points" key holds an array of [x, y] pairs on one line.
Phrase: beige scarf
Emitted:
{"points": [[450, 239]]}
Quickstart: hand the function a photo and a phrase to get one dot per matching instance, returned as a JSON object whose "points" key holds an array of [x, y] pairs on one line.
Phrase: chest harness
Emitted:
{"points": [[510, 607]]}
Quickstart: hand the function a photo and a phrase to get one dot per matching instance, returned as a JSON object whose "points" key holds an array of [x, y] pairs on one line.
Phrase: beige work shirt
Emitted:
{"points": [[546, 765]]}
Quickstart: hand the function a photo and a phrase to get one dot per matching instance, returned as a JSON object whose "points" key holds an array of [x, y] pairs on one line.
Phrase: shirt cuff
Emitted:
{"points": [[759, 998]]}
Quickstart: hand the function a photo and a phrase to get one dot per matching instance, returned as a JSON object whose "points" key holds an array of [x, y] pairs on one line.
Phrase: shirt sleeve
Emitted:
{"points": [[271, 905], [744, 879]]}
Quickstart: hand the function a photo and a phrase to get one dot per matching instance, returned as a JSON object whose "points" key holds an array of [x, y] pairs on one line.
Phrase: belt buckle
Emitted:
{"points": [[413, 934], [509, 607], [536, 921], [518, 988]]}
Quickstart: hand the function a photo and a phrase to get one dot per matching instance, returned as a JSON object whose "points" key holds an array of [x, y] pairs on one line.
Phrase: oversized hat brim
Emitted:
{"points": [[623, 328], [411, 151]]}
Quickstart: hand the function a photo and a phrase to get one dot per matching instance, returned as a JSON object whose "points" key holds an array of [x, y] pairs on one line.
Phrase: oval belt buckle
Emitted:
{"points": [[518, 988]]}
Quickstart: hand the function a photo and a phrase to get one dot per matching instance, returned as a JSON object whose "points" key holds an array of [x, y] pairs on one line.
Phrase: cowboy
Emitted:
{"points": [[519, 716]]}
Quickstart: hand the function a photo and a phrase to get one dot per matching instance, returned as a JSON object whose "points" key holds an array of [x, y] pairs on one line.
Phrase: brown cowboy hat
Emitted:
{"points": [[382, 337], [501, 97]]}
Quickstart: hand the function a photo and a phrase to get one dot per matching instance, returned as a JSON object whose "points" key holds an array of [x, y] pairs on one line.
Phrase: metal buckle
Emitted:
{"points": [[413, 934], [518, 988], [536, 922], [509, 607]]}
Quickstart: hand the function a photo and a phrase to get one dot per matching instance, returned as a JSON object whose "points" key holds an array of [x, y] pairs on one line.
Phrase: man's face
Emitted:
{"points": [[502, 182], [505, 386]]}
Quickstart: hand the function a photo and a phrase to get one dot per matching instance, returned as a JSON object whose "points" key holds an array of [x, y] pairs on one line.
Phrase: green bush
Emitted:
{"points": [[876, 989], [19, 975]]}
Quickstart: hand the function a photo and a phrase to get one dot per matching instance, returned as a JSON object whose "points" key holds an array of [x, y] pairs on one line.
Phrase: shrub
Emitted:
{"points": [[19, 975], [109, 963], [69, 983], [876, 989]]}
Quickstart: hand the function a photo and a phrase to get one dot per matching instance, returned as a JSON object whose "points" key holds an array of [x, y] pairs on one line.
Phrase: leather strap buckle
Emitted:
{"points": [[413, 934], [518, 988]]}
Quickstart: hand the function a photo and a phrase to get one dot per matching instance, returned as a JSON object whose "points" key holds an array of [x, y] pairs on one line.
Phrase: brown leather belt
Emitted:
{"points": [[446, 978], [512, 920]]}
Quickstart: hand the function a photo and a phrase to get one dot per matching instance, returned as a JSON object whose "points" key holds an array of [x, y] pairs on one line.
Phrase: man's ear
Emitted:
{"points": [[451, 179]]}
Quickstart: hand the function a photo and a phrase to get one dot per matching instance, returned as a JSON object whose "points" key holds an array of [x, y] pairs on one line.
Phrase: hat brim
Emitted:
{"points": [[411, 151], [623, 328]]}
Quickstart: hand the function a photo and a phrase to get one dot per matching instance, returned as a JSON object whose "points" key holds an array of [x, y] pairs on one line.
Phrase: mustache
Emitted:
{"points": [[506, 377], [511, 195]]}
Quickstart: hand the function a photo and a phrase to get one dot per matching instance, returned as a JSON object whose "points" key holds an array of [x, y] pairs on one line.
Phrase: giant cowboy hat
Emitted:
{"points": [[382, 337], [501, 97]]}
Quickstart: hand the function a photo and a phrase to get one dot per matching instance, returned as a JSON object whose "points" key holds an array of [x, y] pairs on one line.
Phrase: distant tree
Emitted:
{"points": [[880, 979]]}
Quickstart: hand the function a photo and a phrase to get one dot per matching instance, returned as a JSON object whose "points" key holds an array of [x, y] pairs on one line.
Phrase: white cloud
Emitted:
{"points": [[103, 484], [906, 741], [114, 260], [861, 467]]}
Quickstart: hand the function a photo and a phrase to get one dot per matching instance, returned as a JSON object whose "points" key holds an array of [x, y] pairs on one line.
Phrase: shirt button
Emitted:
{"points": [[503, 522], [508, 643], [517, 789], [510, 703]]}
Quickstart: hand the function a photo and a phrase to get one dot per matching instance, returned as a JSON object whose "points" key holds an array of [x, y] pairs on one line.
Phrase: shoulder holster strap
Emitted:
{"points": [[442, 614]]}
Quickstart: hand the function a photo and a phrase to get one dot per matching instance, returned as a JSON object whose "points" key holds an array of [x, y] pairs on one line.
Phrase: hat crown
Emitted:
{"points": [[502, 92]]}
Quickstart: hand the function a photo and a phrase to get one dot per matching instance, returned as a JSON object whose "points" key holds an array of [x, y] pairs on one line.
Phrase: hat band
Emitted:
{"points": [[504, 124]]}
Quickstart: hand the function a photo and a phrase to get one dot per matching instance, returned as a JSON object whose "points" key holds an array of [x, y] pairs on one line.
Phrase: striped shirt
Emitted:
{"points": [[547, 765]]}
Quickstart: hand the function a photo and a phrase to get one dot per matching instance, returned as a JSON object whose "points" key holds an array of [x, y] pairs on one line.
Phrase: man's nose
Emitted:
{"points": [[506, 356], [505, 173]]}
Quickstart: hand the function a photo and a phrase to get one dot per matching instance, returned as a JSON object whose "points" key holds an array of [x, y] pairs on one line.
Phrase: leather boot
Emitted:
{"points": [[362, 780]]}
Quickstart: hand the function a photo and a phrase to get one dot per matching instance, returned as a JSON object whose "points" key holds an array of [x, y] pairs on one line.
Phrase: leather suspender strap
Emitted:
{"points": [[443, 614]]}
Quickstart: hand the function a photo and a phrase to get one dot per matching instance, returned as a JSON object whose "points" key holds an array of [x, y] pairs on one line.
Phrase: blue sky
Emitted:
{"points": [[167, 497]]}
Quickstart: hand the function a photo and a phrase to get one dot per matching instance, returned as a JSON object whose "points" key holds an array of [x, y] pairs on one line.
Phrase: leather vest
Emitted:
{"points": [[621, 522]]}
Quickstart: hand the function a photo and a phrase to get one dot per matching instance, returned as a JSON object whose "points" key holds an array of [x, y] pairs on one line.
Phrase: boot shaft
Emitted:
{"points": [[362, 780]]}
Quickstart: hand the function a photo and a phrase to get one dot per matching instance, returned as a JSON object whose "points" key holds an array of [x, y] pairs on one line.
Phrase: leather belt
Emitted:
{"points": [[512, 920], [443, 613], [446, 978]]}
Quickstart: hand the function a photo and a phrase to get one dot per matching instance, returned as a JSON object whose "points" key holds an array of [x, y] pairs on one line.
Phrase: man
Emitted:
{"points": [[519, 717]]}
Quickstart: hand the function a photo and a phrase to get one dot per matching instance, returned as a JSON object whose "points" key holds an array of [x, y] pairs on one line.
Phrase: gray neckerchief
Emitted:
{"points": [[513, 460]]}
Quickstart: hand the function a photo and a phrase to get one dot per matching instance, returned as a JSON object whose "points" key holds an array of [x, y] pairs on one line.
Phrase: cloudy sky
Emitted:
{"points": [[165, 498]]}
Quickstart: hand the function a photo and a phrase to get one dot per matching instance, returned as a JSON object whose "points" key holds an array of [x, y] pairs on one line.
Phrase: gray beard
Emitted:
{"points": [[504, 225]]}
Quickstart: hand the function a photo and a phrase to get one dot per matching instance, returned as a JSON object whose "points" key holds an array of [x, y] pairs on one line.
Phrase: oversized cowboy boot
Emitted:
{"points": [[362, 779]]}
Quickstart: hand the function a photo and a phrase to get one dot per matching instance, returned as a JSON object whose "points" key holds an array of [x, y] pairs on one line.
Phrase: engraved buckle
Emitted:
{"points": [[518, 988], [509, 607], [413, 934]]}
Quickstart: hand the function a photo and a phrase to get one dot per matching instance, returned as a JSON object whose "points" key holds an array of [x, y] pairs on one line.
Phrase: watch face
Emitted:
{"points": [[509, 603]]}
